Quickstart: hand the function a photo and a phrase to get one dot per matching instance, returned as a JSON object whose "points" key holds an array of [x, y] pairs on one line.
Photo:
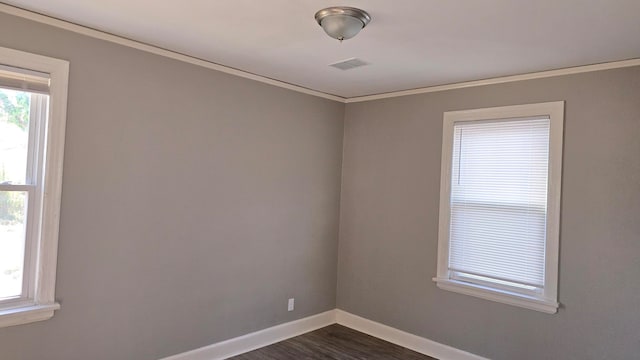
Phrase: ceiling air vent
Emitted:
{"points": [[348, 64]]}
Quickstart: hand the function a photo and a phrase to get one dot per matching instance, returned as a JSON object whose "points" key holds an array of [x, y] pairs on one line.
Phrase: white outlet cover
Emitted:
{"points": [[291, 304]]}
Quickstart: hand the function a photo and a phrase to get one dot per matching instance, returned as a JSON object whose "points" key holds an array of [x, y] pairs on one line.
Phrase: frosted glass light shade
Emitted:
{"points": [[342, 22], [341, 27]]}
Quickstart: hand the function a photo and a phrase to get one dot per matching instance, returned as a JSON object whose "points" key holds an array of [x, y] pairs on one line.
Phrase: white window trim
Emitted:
{"points": [[548, 301], [42, 305]]}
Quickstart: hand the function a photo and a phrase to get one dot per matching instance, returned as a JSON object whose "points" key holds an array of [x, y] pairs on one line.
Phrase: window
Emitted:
{"points": [[33, 97], [500, 202]]}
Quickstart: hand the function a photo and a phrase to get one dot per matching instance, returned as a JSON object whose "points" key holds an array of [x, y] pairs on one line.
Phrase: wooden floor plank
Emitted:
{"points": [[334, 342]]}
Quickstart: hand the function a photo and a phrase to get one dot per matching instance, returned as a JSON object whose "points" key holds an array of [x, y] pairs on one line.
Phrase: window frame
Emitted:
{"points": [[547, 300], [44, 209], [35, 153]]}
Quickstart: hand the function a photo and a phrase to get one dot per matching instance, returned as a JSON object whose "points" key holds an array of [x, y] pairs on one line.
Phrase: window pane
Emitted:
{"points": [[12, 242], [14, 135], [497, 242], [499, 199]]}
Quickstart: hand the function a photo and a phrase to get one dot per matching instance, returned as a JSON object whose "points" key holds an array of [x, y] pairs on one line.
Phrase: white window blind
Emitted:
{"points": [[498, 203], [24, 80]]}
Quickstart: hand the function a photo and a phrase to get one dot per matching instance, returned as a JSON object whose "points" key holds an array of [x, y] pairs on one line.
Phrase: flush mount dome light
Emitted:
{"points": [[342, 22]]}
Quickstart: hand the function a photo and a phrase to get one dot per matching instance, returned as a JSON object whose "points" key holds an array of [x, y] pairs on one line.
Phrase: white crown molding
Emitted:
{"points": [[258, 339], [404, 339], [12, 10], [500, 80], [44, 19]]}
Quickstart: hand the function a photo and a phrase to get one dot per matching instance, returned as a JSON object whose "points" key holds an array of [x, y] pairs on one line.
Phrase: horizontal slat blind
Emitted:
{"points": [[499, 199], [23, 80]]}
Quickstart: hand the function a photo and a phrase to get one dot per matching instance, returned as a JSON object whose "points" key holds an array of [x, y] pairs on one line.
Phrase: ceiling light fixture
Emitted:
{"points": [[342, 22]]}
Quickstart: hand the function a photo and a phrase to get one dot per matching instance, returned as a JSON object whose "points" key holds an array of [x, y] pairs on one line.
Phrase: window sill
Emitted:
{"points": [[501, 296], [26, 314]]}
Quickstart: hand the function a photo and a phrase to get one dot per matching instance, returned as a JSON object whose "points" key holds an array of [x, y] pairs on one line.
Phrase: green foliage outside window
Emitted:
{"points": [[11, 208], [16, 113]]}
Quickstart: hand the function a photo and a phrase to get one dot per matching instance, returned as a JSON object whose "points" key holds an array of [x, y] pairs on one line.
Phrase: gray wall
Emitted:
{"points": [[389, 222], [194, 204]]}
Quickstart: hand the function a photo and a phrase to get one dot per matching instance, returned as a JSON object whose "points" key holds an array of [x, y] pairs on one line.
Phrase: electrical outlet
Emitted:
{"points": [[291, 304]]}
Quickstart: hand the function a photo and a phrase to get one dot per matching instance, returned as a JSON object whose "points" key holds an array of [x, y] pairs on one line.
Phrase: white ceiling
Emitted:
{"points": [[409, 43]]}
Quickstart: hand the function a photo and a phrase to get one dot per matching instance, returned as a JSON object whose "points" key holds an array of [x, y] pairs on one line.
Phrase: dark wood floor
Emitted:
{"points": [[333, 342]]}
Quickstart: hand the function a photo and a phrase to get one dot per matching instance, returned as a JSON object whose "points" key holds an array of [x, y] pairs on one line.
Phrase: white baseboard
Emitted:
{"points": [[258, 339], [404, 339]]}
